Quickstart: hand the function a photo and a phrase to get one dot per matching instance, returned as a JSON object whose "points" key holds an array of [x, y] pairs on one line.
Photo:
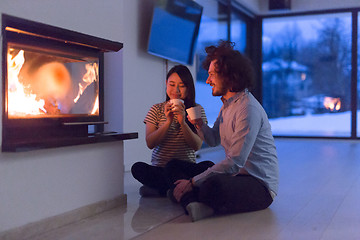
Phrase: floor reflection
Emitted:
{"points": [[153, 212]]}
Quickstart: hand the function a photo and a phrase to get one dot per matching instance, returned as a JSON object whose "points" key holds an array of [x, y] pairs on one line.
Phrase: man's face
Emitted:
{"points": [[219, 88]]}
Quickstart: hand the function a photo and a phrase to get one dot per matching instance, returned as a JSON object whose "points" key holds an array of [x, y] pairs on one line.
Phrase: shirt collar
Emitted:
{"points": [[234, 98]]}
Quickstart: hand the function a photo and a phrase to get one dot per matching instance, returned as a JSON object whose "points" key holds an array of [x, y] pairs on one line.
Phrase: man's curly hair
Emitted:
{"points": [[235, 68]]}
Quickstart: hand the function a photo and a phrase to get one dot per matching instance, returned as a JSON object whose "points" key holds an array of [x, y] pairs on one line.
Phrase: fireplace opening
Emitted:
{"points": [[52, 84], [45, 84]]}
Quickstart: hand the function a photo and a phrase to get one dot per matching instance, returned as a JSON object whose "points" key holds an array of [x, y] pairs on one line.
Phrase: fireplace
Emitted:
{"points": [[52, 85]]}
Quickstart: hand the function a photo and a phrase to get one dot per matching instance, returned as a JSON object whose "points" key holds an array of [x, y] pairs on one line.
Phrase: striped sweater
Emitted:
{"points": [[173, 145]]}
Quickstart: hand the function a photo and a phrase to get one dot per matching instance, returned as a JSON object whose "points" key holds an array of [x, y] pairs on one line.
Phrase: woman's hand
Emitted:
{"points": [[179, 111], [182, 186], [168, 109]]}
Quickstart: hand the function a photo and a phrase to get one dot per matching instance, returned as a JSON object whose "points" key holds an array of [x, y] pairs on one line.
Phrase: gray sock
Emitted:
{"points": [[198, 211]]}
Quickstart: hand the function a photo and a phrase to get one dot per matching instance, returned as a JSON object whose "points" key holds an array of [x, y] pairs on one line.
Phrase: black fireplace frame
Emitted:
{"points": [[34, 133]]}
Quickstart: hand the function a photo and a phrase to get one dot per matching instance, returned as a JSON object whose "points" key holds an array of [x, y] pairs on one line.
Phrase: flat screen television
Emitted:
{"points": [[174, 30]]}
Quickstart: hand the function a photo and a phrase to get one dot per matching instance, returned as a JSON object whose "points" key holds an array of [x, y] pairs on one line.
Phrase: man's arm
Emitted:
{"points": [[210, 135], [241, 140]]}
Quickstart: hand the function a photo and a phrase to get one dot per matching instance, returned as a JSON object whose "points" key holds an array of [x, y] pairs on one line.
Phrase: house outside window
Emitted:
{"points": [[306, 74]]}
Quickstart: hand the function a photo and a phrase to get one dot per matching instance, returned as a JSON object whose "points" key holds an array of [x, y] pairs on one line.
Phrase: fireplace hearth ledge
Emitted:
{"points": [[18, 146]]}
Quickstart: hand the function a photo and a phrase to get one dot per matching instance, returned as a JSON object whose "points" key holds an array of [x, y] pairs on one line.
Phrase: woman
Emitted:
{"points": [[170, 134]]}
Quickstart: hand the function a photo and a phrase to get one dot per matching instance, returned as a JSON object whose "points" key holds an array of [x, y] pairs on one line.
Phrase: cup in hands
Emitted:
{"points": [[176, 102], [194, 112]]}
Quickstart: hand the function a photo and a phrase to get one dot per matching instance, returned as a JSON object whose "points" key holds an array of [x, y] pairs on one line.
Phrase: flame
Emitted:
{"points": [[20, 103], [332, 103], [92, 75], [45, 89], [96, 106]]}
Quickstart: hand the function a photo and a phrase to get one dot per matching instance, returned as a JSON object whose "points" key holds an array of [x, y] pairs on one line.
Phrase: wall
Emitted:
{"points": [[144, 76], [44, 183]]}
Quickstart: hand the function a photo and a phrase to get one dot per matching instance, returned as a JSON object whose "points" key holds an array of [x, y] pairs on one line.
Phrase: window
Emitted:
{"points": [[213, 27], [217, 23], [238, 31], [306, 74]]}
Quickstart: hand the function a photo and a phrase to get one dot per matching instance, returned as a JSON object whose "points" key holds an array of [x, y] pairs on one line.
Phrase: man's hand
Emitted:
{"points": [[182, 186], [196, 122]]}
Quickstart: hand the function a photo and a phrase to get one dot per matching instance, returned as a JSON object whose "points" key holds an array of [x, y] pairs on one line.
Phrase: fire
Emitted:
{"points": [[332, 103], [96, 106], [92, 75], [19, 102], [38, 87], [89, 77]]}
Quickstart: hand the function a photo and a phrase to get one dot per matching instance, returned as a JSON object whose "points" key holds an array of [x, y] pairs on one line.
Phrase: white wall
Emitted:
{"points": [[144, 78], [39, 184]]}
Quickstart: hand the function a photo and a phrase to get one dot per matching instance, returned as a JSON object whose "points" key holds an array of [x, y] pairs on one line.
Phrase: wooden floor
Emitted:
{"points": [[319, 198]]}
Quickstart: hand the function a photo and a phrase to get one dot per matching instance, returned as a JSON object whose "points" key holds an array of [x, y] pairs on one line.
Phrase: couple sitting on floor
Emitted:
{"points": [[247, 179]]}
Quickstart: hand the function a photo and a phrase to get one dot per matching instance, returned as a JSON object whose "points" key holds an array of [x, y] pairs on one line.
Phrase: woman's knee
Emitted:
{"points": [[138, 168]]}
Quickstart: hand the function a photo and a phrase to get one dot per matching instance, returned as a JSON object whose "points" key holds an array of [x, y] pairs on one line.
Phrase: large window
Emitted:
{"points": [[307, 74], [213, 27], [217, 23], [307, 67], [238, 31]]}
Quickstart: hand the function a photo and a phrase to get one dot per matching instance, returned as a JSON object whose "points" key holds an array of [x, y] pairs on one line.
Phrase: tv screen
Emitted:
{"points": [[174, 30]]}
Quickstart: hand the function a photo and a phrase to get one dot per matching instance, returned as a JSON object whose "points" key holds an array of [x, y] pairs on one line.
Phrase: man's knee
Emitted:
{"points": [[211, 188]]}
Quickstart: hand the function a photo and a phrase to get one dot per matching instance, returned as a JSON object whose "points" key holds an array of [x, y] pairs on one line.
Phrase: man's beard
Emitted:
{"points": [[218, 92]]}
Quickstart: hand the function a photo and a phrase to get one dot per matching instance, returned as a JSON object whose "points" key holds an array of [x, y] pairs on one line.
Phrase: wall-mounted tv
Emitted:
{"points": [[174, 30]]}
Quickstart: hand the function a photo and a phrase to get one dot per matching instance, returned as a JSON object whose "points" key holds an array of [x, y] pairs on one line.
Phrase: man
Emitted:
{"points": [[247, 179]]}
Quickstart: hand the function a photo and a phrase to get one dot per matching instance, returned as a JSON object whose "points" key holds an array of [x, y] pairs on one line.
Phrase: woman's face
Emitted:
{"points": [[175, 88]]}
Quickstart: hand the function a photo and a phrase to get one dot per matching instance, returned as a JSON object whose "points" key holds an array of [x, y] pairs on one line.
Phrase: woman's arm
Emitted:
{"points": [[191, 138], [155, 135]]}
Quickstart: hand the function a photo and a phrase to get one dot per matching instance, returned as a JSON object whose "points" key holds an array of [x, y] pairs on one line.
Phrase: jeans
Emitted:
{"points": [[177, 169], [151, 176], [163, 178], [230, 194]]}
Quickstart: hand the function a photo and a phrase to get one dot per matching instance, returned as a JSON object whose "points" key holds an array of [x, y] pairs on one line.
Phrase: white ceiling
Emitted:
{"points": [[261, 6]]}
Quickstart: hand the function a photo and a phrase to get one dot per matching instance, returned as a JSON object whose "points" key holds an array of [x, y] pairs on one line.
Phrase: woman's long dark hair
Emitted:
{"points": [[186, 77]]}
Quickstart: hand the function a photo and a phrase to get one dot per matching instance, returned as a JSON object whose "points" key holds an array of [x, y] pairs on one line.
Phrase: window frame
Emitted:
{"points": [[254, 52], [354, 64]]}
